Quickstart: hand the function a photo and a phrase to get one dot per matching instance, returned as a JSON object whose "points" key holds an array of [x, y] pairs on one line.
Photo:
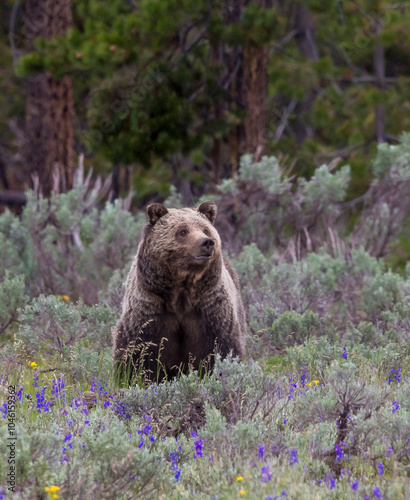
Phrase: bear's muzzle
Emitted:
{"points": [[206, 249]]}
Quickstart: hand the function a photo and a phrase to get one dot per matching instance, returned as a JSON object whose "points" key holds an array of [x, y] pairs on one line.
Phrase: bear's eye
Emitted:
{"points": [[206, 232], [183, 232]]}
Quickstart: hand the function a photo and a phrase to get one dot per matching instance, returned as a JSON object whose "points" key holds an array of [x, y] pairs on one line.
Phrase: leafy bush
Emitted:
{"points": [[12, 297], [77, 248], [292, 217], [16, 250], [266, 206], [64, 334], [347, 289], [293, 328]]}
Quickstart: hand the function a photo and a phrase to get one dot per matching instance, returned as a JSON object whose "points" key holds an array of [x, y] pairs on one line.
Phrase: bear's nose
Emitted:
{"points": [[207, 245]]}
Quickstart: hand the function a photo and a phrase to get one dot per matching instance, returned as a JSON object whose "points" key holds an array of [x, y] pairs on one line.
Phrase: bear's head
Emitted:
{"points": [[185, 239]]}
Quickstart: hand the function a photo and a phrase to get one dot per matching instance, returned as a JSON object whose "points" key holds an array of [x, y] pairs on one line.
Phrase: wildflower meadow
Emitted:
{"points": [[319, 408]]}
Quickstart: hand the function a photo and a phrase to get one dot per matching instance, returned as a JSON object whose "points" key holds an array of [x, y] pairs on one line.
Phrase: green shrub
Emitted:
{"points": [[12, 297], [76, 336], [292, 328], [65, 246], [16, 249]]}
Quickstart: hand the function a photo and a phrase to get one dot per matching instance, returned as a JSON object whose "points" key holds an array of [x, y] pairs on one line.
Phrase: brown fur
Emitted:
{"points": [[182, 298]]}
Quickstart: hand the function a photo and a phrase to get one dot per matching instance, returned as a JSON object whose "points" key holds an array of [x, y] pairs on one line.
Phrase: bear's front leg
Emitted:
{"points": [[140, 340], [224, 322]]}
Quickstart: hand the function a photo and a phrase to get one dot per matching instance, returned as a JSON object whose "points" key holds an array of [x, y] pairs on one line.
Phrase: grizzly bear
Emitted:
{"points": [[182, 299]]}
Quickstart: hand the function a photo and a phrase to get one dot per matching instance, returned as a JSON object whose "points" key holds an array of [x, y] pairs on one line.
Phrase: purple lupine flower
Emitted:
{"points": [[261, 451], [174, 456], [4, 409], [120, 410], [376, 493], [355, 485], [292, 386], [303, 377], [41, 403], [395, 375], [19, 394], [389, 452], [102, 391], [75, 403], [177, 471], [380, 468], [68, 437], [343, 472], [344, 355], [265, 474], [58, 389], [198, 448], [293, 459], [339, 451], [396, 406], [330, 478]]}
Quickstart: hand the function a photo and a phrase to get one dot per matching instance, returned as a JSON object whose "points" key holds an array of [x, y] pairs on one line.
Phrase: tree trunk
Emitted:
{"points": [[255, 93], [255, 81], [379, 73], [49, 104]]}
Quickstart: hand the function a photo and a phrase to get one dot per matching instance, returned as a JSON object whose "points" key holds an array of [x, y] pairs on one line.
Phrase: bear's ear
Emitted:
{"points": [[155, 211], [209, 209]]}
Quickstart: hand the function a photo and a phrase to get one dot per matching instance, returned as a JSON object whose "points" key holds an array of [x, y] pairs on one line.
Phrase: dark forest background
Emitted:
{"points": [[161, 92]]}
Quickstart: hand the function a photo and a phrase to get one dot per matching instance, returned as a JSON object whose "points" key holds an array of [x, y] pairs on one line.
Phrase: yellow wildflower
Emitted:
{"points": [[239, 478], [309, 384], [316, 382], [32, 363], [242, 492], [51, 491], [65, 297]]}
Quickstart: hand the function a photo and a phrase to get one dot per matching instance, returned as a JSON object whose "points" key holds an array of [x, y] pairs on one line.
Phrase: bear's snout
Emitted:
{"points": [[207, 245], [203, 249]]}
